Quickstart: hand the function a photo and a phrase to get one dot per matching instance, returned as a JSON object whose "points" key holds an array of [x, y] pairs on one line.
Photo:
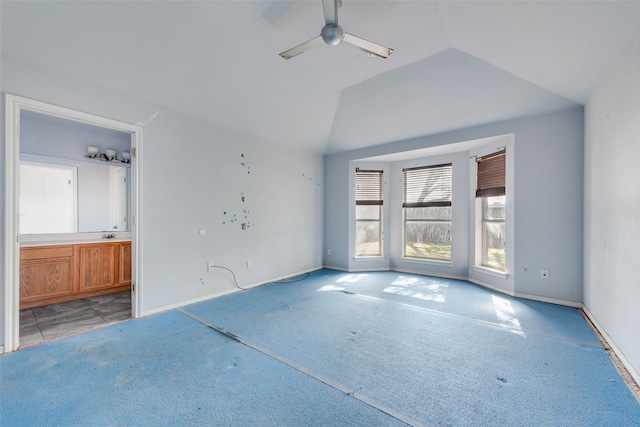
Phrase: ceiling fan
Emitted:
{"points": [[333, 34]]}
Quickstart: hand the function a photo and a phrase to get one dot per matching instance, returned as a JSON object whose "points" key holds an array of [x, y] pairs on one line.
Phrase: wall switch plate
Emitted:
{"points": [[328, 251], [544, 273]]}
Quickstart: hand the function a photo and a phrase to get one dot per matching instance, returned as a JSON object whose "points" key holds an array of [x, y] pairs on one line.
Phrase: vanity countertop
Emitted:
{"points": [[70, 242]]}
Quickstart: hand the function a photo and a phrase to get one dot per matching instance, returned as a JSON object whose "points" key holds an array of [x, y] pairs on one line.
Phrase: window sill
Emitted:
{"points": [[490, 271], [428, 262], [369, 258]]}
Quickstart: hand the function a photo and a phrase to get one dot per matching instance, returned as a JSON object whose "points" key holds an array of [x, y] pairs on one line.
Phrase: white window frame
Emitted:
{"points": [[370, 202], [481, 200], [502, 280], [449, 221]]}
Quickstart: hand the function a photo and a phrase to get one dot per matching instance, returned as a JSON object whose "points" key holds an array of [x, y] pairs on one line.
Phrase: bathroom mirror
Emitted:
{"points": [[63, 196], [62, 189]]}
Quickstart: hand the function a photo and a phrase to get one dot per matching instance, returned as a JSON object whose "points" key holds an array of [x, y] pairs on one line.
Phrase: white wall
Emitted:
{"points": [[547, 211], [67, 139], [192, 173], [612, 205]]}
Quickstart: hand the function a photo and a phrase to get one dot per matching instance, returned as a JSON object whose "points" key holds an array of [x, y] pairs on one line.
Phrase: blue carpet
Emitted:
{"points": [[441, 352], [460, 355], [165, 370]]}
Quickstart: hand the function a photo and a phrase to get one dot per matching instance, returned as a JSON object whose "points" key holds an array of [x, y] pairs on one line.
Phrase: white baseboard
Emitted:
{"points": [[370, 270], [489, 286], [331, 267], [207, 297], [163, 308], [550, 300], [625, 362], [443, 275]]}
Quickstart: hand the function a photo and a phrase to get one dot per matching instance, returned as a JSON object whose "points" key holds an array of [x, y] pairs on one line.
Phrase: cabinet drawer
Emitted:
{"points": [[46, 252]]}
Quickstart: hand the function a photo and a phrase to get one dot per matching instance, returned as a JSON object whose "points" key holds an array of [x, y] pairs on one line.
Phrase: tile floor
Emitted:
{"points": [[49, 322]]}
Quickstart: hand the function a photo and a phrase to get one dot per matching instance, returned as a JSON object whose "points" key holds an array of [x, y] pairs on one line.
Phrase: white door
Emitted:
{"points": [[118, 201]]}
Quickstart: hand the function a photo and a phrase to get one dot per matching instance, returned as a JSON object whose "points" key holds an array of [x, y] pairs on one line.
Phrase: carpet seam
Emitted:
{"points": [[486, 322], [336, 385]]}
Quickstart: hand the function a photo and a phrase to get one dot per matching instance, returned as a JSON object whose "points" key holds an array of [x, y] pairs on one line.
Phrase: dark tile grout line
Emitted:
{"points": [[92, 328], [88, 305], [97, 314]]}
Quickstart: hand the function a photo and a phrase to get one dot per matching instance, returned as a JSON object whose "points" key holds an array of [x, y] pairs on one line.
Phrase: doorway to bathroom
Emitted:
{"points": [[61, 283]]}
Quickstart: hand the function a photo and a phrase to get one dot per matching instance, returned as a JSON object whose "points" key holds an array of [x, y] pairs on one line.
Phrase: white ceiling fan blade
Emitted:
{"points": [[367, 46], [330, 8], [288, 54]]}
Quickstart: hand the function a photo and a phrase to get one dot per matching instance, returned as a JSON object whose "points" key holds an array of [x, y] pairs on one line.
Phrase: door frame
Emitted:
{"points": [[13, 106]]}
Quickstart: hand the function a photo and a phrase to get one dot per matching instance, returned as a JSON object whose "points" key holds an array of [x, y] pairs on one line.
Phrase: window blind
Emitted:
{"points": [[427, 186], [490, 178], [368, 187]]}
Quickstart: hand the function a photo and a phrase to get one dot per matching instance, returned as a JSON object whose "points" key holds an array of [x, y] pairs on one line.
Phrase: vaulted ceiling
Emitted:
{"points": [[456, 63]]}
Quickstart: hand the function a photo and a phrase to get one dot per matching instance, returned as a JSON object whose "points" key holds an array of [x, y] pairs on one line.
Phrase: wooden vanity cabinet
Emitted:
{"points": [[58, 273], [47, 273]]}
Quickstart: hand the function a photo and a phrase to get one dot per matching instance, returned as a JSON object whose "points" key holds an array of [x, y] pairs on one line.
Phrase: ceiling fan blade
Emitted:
{"points": [[367, 46], [288, 54], [330, 8]]}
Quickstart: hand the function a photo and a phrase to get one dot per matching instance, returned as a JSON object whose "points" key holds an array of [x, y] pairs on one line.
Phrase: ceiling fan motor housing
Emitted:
{"points": [[332, 34]]}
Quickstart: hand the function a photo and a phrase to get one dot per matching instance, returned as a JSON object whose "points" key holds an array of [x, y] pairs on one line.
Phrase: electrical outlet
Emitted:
{"points": [[249, 265], [544, 273], [210, 265], [328, 251]]}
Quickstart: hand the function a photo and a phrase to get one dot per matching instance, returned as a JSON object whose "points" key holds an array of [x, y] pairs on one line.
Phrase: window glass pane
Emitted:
{"points": [[424, 239], [368, 238], [443, 213], [494, 208], [493, 239], [368, 212]]}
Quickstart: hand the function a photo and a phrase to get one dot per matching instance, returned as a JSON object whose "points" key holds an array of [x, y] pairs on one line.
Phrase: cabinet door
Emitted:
{"points": [[97, 266], [45, 272], [124, 273]]}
